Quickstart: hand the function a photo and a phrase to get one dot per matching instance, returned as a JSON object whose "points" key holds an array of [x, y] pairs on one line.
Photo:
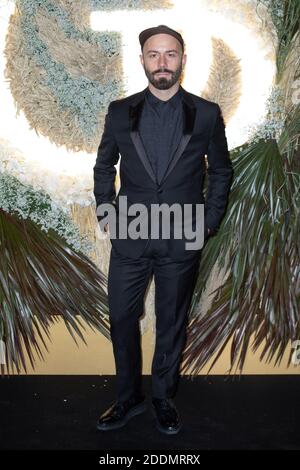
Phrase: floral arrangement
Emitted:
{"points": [[72, 73], [258, 301], [62, 74], [63, 188], [28, 203]]}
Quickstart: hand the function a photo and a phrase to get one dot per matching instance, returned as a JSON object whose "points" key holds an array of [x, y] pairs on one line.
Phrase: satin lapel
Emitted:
{"points": [[135, 111], [189, 113]]}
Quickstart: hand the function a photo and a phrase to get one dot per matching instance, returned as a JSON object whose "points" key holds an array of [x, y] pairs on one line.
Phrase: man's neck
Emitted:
{"points": [[164, 95]]}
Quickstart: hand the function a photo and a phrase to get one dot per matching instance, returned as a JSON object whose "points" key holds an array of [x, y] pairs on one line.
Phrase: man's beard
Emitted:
{"points": [[163, 83]]}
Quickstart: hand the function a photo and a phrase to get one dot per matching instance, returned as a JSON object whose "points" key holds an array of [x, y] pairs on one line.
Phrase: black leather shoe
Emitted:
{"points": [[167, 418], [120, 412]]}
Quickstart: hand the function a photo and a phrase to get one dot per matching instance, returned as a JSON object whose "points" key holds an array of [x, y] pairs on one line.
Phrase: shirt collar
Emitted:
{"points": [[173, 101]]}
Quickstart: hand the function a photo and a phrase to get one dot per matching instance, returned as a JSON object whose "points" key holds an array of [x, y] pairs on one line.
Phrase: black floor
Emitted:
{"points": [[218, 412]]}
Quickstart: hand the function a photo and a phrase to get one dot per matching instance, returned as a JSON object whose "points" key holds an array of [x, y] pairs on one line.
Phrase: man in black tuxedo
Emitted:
{"points": [[162, 134]]}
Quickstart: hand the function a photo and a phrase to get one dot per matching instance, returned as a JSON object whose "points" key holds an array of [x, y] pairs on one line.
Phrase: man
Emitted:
{"points": [[163, 134]]}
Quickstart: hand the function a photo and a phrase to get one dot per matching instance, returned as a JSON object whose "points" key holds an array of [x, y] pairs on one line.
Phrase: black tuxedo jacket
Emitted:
{"points": [[203, 134]]}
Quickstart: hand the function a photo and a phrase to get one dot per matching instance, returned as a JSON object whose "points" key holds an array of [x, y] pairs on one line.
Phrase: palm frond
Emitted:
{"points": [[43, 279], [287, 30], [260, 237]]}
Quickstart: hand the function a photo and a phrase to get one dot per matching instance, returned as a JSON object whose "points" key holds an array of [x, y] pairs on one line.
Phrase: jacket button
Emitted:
{"points": [[159, 190]]}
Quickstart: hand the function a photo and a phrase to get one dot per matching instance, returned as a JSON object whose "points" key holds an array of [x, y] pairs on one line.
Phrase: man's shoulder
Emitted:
{"points": [[125, 101], [200, 101], [207, 108]]}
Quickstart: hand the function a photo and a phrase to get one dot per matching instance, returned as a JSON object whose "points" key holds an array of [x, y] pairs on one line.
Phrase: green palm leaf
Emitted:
{"points": [[42, 279], [260, 236]]}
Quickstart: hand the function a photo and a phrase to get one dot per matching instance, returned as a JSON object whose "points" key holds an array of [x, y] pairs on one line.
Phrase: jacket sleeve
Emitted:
{"points": [[220, 173], [104, 169]]}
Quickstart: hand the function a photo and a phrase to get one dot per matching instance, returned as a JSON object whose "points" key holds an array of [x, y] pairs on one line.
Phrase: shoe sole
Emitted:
{"points": [[138, 409], [164, 430]]}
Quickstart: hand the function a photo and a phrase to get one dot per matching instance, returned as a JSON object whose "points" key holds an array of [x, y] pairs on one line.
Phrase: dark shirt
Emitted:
{"points": [[160, 129]]}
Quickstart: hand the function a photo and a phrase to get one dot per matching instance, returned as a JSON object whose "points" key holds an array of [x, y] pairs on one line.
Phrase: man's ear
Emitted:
{"points": [[142, 59]]}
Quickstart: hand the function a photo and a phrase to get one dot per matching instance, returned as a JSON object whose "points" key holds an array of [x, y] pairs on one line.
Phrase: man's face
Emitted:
{"points": [[163, 60]]}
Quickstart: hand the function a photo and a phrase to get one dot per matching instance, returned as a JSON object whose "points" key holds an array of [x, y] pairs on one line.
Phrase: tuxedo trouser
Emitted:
{"points": [[128, 279]]}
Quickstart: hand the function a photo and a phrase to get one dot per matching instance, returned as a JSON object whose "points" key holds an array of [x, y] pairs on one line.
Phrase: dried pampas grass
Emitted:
{"points": [[224, 82], [27, 80]]}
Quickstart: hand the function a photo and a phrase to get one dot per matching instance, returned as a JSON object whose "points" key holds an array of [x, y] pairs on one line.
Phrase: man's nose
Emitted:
{"points": [[162, 61]]}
